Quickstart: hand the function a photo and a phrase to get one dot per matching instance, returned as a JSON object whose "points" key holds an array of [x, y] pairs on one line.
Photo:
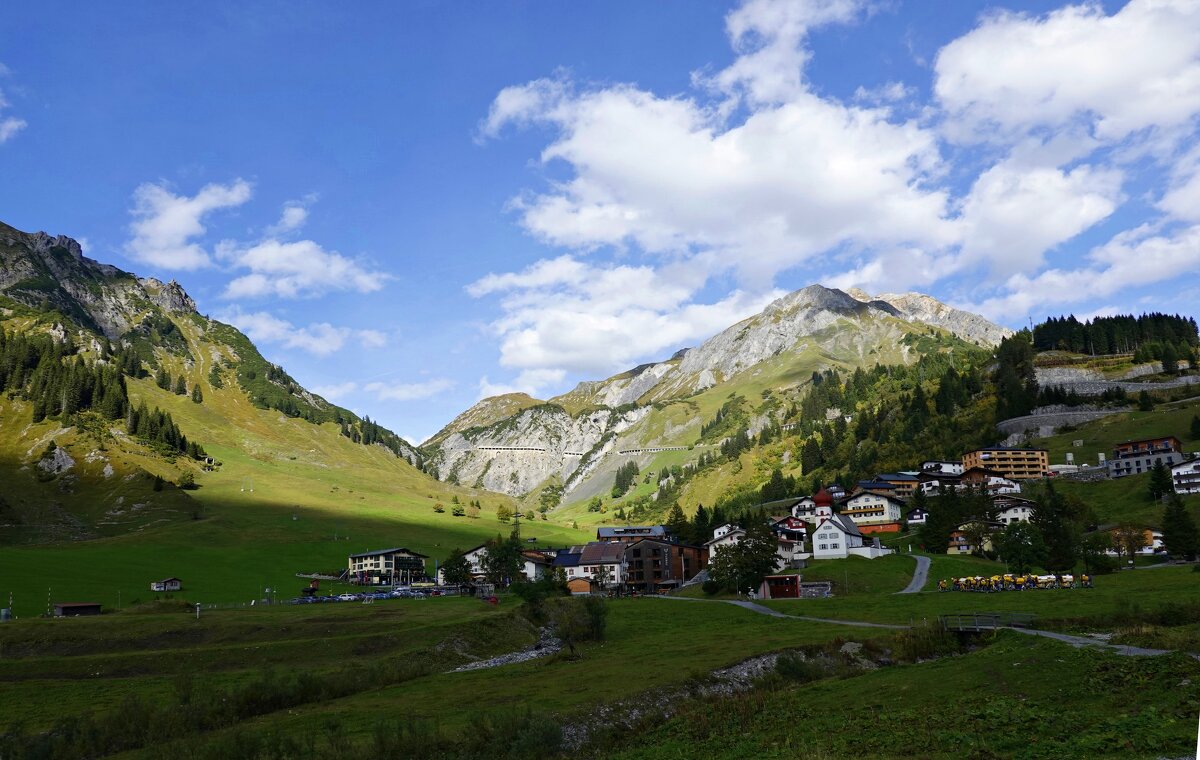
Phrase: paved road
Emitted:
{"points": [[920, 575]]}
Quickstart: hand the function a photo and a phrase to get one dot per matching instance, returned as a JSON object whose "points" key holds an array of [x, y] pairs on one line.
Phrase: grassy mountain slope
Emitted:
{"points": [[298, 483]]}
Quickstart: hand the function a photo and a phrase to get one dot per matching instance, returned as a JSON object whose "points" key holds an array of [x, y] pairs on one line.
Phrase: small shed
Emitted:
{"points": [[166, 584], [583, 586], [76, 609]]}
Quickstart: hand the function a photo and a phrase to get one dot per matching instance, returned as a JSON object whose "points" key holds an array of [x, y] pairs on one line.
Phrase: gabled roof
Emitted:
{"points": [[726, 537], [661, 542], [843, 523], [381, 552], [602, 552], [860, 492]]}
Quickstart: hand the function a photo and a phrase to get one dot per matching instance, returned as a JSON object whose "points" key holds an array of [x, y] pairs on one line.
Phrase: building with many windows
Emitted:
{"points": [[1012, 463], [1136, 457], [390, 566], [1186, 476]]}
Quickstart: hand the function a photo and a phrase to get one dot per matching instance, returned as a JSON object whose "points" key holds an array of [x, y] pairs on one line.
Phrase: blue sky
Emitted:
{"points": [[410, 205]]}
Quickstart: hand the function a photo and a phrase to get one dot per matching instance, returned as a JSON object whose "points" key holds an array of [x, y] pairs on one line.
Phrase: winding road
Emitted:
{"points": [[920, 575]]}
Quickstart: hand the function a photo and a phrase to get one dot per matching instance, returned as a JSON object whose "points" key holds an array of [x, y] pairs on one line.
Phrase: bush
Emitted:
{"points": [[711, 587], [797, 668]]}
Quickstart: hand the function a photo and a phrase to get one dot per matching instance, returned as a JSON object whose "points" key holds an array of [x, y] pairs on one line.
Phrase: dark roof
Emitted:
{"points": [[631, 530], [168, 580], [387, 551], [877, 485], [602, 552], [567, 560], [888, 476], [77, 604]]}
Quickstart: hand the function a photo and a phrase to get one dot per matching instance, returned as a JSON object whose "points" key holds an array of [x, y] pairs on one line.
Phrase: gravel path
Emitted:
{"points": [[761, 610], [1081, 641], [920, 575]]}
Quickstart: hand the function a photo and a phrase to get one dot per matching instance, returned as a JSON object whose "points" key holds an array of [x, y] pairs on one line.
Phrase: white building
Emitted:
{"points": [[726, 535], [1012, 510], [867, 508], [1186, 476], [837, 537], [942, 468]]}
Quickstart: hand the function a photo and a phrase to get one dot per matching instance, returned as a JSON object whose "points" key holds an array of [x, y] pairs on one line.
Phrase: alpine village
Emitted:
{"points": [[794, 456]]}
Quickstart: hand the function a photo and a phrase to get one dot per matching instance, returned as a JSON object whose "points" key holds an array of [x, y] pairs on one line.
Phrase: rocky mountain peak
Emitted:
{"points": [[169, 296]]}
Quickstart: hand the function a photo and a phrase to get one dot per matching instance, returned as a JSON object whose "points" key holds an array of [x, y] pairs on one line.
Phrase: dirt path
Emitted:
{"points": [[920, 575], [761, 610], [1082, 641]]}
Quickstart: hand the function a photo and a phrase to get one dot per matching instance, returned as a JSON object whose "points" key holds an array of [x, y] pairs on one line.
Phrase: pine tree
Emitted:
{"points": [[197, 395], [1195, 427], [677, 523], [162, 379], [181, 386], [1161, 483]]}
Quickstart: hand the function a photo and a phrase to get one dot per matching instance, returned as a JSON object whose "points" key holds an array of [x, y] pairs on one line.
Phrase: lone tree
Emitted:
{"points": [[1179, 529], [1160, 481], [1053, 516], [1128, 539], [502, 561], [1022, 547], [181, 386], [742, 566], [456, 570], [1196, 427]]}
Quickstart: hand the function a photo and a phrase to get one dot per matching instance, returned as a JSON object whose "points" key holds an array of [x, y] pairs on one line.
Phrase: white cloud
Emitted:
{"points": [[318, 338], [292, 218], [1014, 214], [9, 127], [1112, 75], [166, 225], [530, 382], [565, 315], [409, 391], [1131, 260], [297, 269]]}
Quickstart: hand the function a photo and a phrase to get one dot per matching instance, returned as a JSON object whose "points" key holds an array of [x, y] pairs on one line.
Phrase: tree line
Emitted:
{"points": [[59, 383], [1122, 333]]}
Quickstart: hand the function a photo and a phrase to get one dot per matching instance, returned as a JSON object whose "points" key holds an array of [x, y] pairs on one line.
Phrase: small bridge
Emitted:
{"points": [[986, 621]]}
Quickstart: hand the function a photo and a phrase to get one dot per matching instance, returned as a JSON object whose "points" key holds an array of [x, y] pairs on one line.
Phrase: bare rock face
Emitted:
{"points": [[169, 296], [918, 307]]}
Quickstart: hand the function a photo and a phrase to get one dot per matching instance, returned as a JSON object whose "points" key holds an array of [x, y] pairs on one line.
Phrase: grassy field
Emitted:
{"points": [[51, 670], [1017, 698], [1100, 436], [1148, 588]]}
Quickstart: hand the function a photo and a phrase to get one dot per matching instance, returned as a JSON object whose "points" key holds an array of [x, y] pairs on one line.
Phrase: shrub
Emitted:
{"points": [[710, 587], [795, 667]]}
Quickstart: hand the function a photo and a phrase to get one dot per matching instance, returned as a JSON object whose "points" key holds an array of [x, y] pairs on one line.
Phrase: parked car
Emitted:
{"points": [[347, 598]]}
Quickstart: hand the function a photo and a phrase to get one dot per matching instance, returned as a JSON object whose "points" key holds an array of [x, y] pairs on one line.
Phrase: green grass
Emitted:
{"points": [[1100, 436], [1018, 698], [857, 576], [1152, 589]]}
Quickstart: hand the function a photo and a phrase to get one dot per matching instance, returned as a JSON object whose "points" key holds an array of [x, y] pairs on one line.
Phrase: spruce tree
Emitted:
{"points": [[197, 396], [181, 386], [162, 379], [1195, 427], [1160, 481]]}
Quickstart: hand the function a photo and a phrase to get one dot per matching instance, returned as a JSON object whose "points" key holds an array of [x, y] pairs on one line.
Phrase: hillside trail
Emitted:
{"points": [[920, 575], [1079, 642], [761, 610]]}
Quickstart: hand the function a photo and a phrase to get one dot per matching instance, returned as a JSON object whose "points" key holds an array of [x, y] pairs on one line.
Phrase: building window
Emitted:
{"points": [[833, 546], [823, 546]]}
